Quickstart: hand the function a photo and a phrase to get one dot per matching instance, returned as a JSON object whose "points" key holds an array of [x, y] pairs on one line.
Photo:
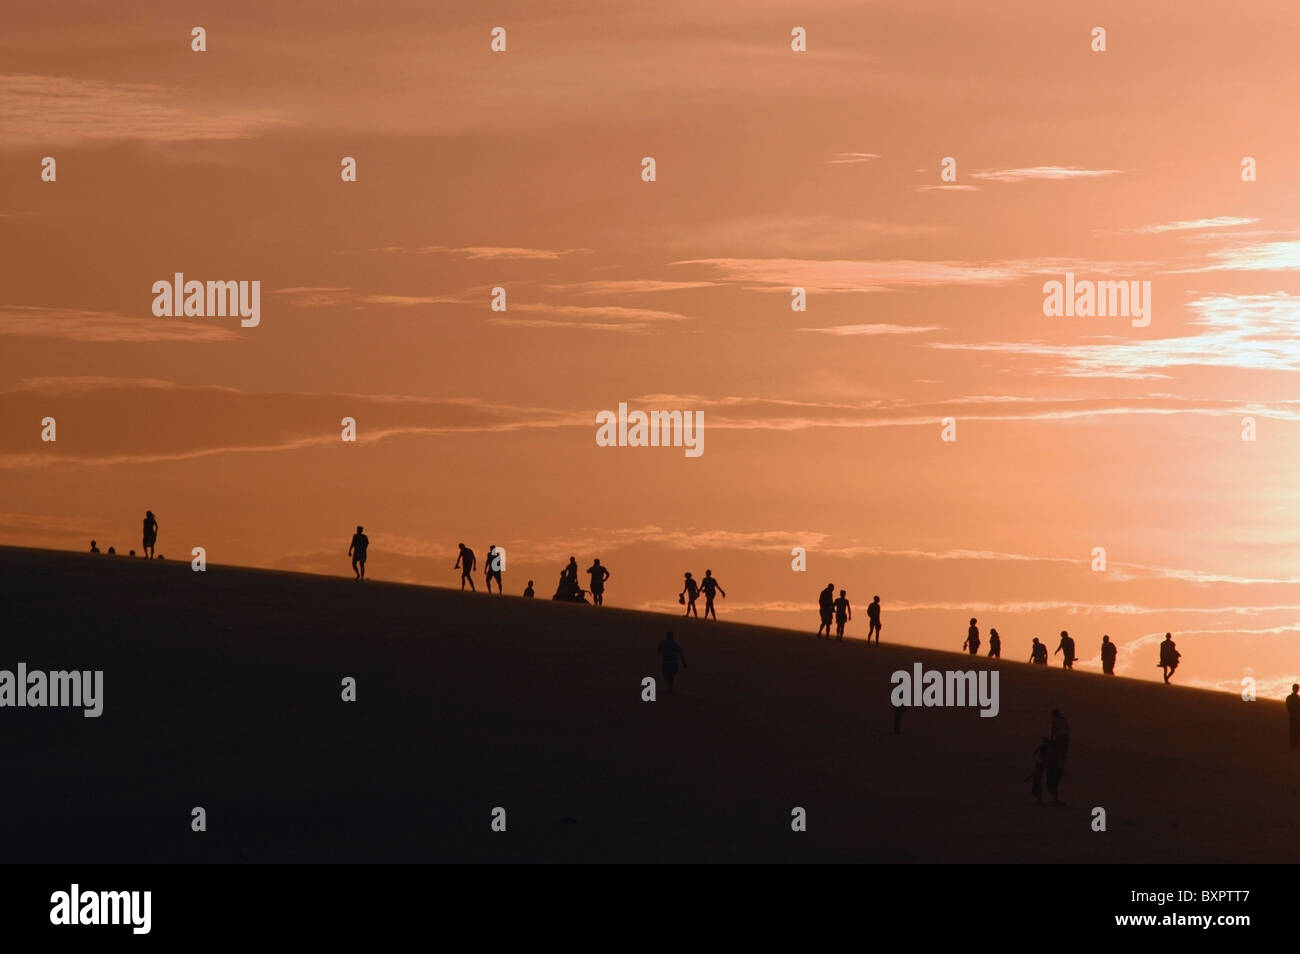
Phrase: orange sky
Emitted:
{"points": [[774, 168]]}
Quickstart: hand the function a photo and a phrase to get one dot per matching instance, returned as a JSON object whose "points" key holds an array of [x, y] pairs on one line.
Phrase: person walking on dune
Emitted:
{"points": [[1038, 653], [671, 653], [1169, 656], [710, 587], [599, 575], [826, 609], [150, 533], [357, 550], [873, 619], [1293, 713], [972, 638], [1108, 654], [466, 563], [1067, 647], [492, 568], [843, 613], [995, 645], [689, 594]]}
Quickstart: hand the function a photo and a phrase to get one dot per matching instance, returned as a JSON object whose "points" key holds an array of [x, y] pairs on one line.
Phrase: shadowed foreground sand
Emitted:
{"points": [[222, 690]]}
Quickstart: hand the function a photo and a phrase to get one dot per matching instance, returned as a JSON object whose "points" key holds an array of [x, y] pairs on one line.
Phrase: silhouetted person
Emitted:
{"points": [[843, 613], [710, 588], [112, 551], [826, 609], [1293, 713], [873, 617], [492, 569], [995, 645], [1042, 756], [571, 571], [671, 653], [599, 575], [1108, 654], [466, 562], [130, 553], [528, 590], [1038, 653], [1067, 647], [1169, 656], [94, 547], [1060, 736], [150, 532], [689, 594], [357, 551], [972, 638]]}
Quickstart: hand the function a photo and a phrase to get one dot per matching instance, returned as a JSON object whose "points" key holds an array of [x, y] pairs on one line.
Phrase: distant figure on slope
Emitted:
{"points": [[357, 550], [571, 570], [671, 653], [1293, 713], [94, 547], [1108, 654], [528, 590], [568, 589], [873, 617], [826, 609], [995, 645], [599, 575], [689, 594], [1038, 653], [492, 568], [710, 588], [1042, 756], [1067, 647], [1169, 656], [112, 551], [843, 613], [466, 562], [150, 533], [972, 638]]}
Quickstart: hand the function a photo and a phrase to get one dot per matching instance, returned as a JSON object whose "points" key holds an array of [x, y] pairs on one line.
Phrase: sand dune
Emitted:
{"points": [[222, 690]]}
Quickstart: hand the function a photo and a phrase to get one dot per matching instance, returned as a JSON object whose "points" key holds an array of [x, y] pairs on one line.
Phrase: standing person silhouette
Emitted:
{"points": [[710, 587], [1067, 647], [1108, 654], [94, 547], [150, 533], [1169, 656], [528, 590], [972, 638], [843, 613], [873, 618], [492, 568], [357, 550], [671, 653], [689, 594], [1038, 653], [466, 562], [995, 645], [1293, 713], [826, 609], [599, 575]]}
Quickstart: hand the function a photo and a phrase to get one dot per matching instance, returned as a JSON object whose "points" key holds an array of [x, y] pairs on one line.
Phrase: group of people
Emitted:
{"points": [[692, 589], [1169, 654], [149, 541], [837, 608], [568, 588]]}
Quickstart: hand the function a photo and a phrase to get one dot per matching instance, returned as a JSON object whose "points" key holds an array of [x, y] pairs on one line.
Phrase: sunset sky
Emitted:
{"points": [[775, 169]]}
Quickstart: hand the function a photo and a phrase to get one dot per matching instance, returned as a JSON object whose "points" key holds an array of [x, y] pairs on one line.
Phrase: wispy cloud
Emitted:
{"points": [[1051, 173], [483, 251], [869, 330], [852, 158], [332, 297], [1194, 225], [109, 326], [62, 109]]}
